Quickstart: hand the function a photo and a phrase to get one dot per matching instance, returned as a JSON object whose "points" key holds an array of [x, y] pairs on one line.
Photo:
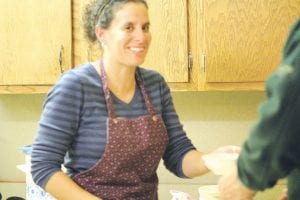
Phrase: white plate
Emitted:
{"points": [[220, 163]]}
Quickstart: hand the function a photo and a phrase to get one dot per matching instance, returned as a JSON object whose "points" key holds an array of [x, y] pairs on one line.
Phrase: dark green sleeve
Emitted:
{"points": [[272, 150]]}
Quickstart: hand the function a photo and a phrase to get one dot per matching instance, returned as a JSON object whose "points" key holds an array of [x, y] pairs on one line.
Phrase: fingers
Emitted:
{"points": [[284, 194]]}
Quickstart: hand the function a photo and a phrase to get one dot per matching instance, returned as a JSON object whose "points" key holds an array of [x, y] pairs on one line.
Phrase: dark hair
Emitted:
{"points": [[101, 13]]}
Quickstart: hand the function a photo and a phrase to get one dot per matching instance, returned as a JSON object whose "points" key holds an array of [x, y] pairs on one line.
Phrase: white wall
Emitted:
{"points": [[211, 119], [19, 115]]}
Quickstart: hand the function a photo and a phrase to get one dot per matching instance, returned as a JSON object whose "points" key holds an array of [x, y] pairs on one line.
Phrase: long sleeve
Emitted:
{"points": [[179, 143], [272, 150], [58, 126]]}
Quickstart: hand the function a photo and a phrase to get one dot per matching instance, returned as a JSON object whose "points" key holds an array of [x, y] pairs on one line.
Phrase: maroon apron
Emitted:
{"points": [[127, 169]]}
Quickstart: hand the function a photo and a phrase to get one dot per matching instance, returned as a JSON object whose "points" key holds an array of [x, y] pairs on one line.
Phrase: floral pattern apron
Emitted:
{"points": [[127, 169]]}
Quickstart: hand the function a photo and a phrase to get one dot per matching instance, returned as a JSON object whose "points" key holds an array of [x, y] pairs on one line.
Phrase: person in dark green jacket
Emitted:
{"points": [[272, 151]]}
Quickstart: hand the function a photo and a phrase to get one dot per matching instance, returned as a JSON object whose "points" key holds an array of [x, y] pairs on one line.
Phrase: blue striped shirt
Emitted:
{"points": [[72, 128]]}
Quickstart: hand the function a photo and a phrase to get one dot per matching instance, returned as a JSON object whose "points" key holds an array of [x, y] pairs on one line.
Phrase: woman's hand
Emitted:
{"points": [[193, 164], [284, 194]]}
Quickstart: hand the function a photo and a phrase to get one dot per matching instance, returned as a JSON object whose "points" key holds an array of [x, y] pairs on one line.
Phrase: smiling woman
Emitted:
{"points": [[127, 38], [124, 37], [111, 121]]}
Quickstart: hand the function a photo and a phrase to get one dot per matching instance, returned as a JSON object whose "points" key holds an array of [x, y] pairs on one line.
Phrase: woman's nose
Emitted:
{"points": [[140, 35]]}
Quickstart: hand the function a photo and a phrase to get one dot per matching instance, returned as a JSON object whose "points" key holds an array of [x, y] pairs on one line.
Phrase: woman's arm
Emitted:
{"points": [[57, 130], [62, 187], [181, 157], [193, 165]]}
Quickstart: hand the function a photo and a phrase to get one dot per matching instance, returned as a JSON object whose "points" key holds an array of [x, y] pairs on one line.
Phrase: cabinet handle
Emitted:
{"points": [[190, 61], [203, 62], [61, 59]]}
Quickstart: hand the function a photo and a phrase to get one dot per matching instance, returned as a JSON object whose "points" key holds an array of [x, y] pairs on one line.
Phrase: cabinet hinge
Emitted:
{"points": [[203, 62], [89, 54], [60, 59], [190, 61]]}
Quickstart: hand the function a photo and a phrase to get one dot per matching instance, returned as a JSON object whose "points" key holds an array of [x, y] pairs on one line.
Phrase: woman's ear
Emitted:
{"points": [[100, 35]]}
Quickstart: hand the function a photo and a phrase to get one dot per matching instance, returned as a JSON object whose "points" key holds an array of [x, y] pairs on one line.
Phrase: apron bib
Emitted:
{"points": [[127, 169]]}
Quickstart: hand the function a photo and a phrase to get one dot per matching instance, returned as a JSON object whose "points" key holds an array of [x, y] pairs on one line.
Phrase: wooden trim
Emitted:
{"points": [[19, 89]]}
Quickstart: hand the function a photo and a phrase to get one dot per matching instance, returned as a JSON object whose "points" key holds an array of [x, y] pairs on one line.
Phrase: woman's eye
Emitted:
{"points": [[128, 28], [146, 28]]}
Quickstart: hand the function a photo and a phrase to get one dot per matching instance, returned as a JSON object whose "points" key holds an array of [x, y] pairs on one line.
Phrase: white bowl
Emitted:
{"points": [[220, 163], [209, 192]]}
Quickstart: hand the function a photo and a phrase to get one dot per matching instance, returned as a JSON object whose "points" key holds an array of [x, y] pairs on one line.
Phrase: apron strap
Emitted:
{"points": [[108, 98], [147, 99]]}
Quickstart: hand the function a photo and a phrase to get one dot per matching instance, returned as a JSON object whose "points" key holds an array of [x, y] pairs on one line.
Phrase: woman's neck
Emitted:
{"points": [[121, 79]]}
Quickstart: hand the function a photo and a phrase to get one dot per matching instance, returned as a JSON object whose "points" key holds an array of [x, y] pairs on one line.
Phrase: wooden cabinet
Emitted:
{"points": [[243, 40], [35, 40], [168, 53], [234, 44], [83, 50], [170, 47]]}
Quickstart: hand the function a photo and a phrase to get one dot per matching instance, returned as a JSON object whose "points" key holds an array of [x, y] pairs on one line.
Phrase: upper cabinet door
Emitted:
{"points": [[168, 53], [83, 50], [244, 39], [35, 40]]}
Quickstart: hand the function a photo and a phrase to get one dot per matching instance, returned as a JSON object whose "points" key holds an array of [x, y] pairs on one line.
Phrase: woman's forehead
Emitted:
{"points": [[132, 12]]}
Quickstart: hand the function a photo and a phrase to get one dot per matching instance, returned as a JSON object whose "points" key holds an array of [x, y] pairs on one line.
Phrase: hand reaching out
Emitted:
{"points": [[284, 194], [231, 188]]}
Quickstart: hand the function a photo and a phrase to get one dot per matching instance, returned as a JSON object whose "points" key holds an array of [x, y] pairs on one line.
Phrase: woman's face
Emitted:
{"points": [[128, 38]]}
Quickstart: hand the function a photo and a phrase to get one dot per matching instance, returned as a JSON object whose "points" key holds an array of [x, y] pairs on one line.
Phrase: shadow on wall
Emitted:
{"points": [[21, 107], [19, 116], [214, 106], [189, 105]]}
